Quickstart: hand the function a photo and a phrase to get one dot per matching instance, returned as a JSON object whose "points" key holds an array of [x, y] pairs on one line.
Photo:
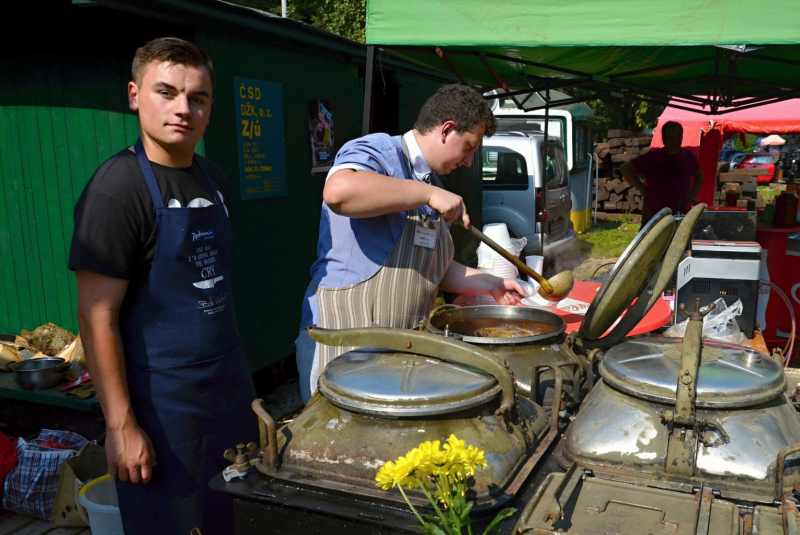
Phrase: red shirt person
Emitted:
{"points": [[668, 178]]}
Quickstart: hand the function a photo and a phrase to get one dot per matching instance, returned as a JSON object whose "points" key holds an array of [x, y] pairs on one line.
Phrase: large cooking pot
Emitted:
{"points": [[39, 374], [526, 338], [401, 388]]}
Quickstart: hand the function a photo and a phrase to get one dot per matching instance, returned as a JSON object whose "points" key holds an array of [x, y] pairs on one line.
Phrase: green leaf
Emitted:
{"points": [[432, 529], [465, 513], [430, 518], [494, 527]]}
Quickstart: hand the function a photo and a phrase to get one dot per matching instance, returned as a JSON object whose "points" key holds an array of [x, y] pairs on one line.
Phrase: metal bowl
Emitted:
{"points": [[466, 321], [39, 374]]}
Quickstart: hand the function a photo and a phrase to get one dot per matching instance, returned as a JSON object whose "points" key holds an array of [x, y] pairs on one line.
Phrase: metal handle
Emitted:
{"points": [[559, 387], [425, 344], [781, 465], [267, 439]]}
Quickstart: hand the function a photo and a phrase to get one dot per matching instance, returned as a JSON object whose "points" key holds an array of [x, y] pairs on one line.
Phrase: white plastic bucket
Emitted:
{"points": [[99, 497]]}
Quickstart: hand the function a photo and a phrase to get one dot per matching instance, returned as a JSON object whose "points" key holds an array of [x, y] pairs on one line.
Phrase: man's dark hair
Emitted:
{"points": [[458, 103], [671, 125], [171, 50]]}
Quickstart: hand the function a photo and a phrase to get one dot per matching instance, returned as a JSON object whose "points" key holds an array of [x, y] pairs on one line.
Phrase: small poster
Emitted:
{"points": [[259, 132], [320, 129]]}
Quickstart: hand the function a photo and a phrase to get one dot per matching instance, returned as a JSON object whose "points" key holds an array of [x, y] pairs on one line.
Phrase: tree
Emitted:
{"points": [[347, 18]]}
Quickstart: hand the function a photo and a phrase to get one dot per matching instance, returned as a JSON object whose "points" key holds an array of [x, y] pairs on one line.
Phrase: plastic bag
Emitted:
{"points": [[719, 324]]}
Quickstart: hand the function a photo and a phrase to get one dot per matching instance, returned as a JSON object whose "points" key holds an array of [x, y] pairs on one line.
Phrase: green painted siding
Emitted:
{"points": [[276, 237], [49, 149], [64, 111]]}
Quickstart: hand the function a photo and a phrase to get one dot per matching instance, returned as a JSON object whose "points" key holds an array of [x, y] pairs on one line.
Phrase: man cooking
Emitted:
{"points": [[384, 248], [668, 178], [152, 258]]}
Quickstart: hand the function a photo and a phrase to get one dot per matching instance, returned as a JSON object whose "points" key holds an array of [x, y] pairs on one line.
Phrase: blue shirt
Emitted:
{"points": [[350, 250]]}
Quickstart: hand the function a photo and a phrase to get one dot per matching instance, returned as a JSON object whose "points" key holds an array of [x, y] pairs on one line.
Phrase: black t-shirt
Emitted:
{"points": [[115, 218]]}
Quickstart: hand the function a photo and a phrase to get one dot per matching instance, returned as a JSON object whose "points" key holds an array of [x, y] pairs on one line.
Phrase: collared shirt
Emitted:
{"points": [[352, 250]]}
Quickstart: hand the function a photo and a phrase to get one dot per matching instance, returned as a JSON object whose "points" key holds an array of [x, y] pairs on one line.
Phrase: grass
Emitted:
{"points": [[608, 239], [599, 248]]}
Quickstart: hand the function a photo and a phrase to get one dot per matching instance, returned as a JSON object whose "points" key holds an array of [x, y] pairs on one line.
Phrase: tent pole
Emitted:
{"points": [[366, 122], [544, 166]]}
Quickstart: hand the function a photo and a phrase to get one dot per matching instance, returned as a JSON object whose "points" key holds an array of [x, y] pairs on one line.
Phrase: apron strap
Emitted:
{"points": [[149, 176]]}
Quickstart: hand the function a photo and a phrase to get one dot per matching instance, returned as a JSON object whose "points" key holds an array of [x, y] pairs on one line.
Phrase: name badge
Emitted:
{"points": [[425, 237]]}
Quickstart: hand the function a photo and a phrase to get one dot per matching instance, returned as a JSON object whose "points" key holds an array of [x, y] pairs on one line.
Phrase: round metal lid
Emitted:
{"points": [[729, 376], [392, 384], [627, 278]]}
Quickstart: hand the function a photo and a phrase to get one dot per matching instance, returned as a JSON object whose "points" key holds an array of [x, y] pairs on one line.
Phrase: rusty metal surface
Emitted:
{"points": [[686, 390], [327, 446], [773, 521], [617, 431], [597, 506]]}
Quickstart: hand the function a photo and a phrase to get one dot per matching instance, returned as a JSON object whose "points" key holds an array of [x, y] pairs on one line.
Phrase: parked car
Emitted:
{"points": [[514, 190], [725, 155], [736, 158], [760, 160]]}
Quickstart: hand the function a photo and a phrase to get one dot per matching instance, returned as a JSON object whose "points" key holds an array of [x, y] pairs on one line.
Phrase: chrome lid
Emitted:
{"points": [[394, 384], [729, 375]]}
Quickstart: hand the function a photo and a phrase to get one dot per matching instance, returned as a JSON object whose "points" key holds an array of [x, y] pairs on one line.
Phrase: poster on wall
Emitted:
{"points": [[320, 129], [262, 146]]}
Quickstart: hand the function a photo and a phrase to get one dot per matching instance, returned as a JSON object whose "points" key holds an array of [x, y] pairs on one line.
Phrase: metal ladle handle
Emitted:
{"points": [[522, 266]]}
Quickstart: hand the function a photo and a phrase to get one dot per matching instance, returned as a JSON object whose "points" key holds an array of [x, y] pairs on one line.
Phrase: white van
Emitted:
{"points": [[514, 190], [574, 125]]}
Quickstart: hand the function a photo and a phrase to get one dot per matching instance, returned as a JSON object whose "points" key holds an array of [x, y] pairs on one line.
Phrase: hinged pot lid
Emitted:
{"points": [[729, 375], [638, 279], [395, 384]]}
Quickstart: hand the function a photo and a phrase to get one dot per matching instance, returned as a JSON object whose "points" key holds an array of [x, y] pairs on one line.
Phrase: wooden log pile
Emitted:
{"points": [[613, 193], [742, 183]]}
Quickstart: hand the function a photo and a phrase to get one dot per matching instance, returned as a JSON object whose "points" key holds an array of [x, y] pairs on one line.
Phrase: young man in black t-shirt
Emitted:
{"points": [[115, 219], [152, 257]]}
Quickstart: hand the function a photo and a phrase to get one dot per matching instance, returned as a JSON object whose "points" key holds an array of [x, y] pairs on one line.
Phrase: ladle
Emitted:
{"points": [[555, 289]]}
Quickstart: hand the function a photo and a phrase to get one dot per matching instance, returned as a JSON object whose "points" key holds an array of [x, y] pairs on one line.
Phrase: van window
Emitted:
{"points": [[556, 169], [504, 169], [580, 145], [526, 125]]}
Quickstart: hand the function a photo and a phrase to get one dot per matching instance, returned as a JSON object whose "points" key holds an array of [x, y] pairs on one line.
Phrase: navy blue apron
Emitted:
{"points": [[189, 382]]}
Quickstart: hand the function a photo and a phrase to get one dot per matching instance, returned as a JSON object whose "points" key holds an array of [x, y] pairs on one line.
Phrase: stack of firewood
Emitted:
{"points": [[612, 191], [742, 184]]}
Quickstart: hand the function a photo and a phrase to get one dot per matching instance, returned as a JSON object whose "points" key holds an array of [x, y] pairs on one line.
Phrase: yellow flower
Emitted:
{"points": [[456, 461]]}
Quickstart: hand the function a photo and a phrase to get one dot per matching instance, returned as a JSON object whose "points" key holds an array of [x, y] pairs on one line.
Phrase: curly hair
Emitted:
{"points": [[458, 103], [171, 50]]}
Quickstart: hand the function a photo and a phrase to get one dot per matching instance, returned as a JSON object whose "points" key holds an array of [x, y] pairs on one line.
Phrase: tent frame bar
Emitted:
{"points": [[721, 93]]}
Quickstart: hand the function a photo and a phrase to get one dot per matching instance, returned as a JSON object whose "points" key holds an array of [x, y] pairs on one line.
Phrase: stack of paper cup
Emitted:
{"points": [[499, 266]]}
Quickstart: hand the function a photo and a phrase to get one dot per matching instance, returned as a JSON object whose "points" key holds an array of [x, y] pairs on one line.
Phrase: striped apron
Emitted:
{"points": [[400, 294]]}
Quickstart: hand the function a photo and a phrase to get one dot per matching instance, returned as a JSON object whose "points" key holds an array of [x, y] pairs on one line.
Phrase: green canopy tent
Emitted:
{"points": [[712, 53], [688, 54]]}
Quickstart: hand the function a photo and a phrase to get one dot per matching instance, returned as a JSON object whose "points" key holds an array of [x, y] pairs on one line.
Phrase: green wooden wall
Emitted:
{"points": [[276, 237], [63, 111]]}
